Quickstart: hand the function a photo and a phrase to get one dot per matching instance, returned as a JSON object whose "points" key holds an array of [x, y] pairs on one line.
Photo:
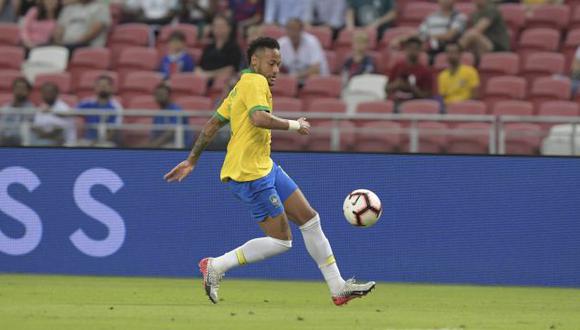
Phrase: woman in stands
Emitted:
{"points": [[39, 23]]}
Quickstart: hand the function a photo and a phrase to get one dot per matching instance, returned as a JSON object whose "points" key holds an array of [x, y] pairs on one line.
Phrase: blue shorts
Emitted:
{"points": [[265, 196]]}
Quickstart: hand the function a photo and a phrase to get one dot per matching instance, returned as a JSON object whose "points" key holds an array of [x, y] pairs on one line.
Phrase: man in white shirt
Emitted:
{"points": [[152, 11], [302, 54], [83, 23], [50, 127], [281, 11]]}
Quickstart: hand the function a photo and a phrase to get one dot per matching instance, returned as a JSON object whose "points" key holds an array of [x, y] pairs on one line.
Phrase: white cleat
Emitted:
{"points": [[352, 290], [211, 279]]}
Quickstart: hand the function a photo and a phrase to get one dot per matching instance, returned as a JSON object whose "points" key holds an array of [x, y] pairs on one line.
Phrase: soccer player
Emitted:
{"points": [[273, 197]]}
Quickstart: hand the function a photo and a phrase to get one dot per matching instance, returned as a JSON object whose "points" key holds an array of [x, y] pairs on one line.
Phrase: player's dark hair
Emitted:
{"points": [[413, 41], [260, 43]]}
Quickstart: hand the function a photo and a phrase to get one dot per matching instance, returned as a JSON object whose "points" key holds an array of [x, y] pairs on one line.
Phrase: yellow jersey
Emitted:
{"points": [[458, 86], [248, 152]]}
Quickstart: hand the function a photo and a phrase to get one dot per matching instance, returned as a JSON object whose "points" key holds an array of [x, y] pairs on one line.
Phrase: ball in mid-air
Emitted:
{"points": [[362, 208]]}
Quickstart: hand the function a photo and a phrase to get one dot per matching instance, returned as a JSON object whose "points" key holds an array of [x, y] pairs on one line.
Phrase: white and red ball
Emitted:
{"points": [[362, 208]]}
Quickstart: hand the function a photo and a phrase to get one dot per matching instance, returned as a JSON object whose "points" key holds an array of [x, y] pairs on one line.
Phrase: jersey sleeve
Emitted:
{"points": [[223, 112], [255, 94]]}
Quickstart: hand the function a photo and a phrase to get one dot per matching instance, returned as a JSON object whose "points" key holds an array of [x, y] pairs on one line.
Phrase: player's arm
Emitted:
{"points": [[208, 133], [264, 119]]}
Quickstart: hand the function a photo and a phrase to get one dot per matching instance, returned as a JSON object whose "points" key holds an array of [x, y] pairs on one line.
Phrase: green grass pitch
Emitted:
{"points": [[67, 302]]}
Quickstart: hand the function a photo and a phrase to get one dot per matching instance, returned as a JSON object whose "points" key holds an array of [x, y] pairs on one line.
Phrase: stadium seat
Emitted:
{"points": [[143, 102], [326, 104], [62, 80], [320, 86], [441, 63], [364, 88], [320, 138], [86, 84], [9, 34], [11, 57], [323, 34], [471, 107], [287, 104], [139, 83], [469, 138], [559, 108], [542, 64], [194, 103], [513, 108], [343, 42], [549, 16], [377, 107], [498, 64], [8, 77], [46, 59], [127, 35], [137, 59], [575, 19], [334, 64], [88, 58], [514, 15], [273, 31], [504, 88], [286, 85], [189, 30], [187, 84], [570, 46], [5, 98], [522, 138], [378, 136], [466, 8], [538, 40], [70, 99], [393, 33], [420, 107], [415, 12], [431, 137], [548, 88]]}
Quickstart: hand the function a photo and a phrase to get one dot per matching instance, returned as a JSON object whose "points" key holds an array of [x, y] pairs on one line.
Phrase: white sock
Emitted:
{"points": [[319, 248], [255, 250]]}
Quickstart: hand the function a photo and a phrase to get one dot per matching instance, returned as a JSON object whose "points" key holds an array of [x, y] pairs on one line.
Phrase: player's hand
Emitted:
{"points": [[179, 172], [304, 126]]}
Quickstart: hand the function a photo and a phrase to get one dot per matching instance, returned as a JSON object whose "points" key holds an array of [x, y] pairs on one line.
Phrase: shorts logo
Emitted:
{"points": [[275, 201]]}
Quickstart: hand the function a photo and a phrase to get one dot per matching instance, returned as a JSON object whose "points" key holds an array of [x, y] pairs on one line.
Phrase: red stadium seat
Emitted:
{"points": [[469, 138], [420, 107], [143, 102], [548, 89], [320, 86], [415, 12], [325, 104], [11, 57], [522, 138], [549, 16], [9, 34], [323, 34], [344, 41], [127, 35], [86, 84], [137, 59], [194, 103], [559, 108], [86, 59], [187, 84], [139, 83], [6, 98], [8, 77], [378, 136], [320, 138], [189, 30], [441, 62], [538, 40], [498, 64], [286, 85], [287, 104], [334, 64], [467, 108], [432, 137], [504, 88], [514, 15], [542, 64], [575, 18], [513, 108], [273, 31], [376, 107], [570, 46]]}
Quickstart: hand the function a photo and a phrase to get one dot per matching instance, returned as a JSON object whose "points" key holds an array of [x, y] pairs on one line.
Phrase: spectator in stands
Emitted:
{"points": [[377, 14], [8, 11], [50, 127], [459, 82], [199, 12], [410, 79], [103, 100], [39, 23], [442, 27], [83, 23], [245, 13], [302, 54], [281, 11], [10, 122], [223, 56], [153, 12], [23, 6], [488, 32], [165, 138], [177, 58], [360, 62], [331, 13]]}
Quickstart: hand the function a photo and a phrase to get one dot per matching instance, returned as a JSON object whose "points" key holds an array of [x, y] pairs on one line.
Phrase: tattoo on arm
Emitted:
{"points": [[206, 136]]}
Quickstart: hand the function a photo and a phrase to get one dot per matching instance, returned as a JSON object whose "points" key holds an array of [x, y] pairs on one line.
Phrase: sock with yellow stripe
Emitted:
{"points": [[319, 248], [252, 251]]}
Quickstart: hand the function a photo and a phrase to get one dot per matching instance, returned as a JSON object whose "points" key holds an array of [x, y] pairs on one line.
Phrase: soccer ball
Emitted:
{"points": [[362, 208]]}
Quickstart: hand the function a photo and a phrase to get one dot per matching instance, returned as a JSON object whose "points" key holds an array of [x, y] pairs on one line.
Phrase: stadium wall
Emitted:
{"points": [[447, 219]]}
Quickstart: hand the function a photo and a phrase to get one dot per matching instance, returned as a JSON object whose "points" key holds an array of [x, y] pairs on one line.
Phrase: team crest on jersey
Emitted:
{"points": [[275, 201]]}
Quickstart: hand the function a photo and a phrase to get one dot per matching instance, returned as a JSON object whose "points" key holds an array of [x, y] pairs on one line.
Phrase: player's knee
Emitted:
{"points": [[283, 244]]}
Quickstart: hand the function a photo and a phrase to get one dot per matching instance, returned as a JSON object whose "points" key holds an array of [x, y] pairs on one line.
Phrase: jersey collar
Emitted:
{"points": [[248, 70]]}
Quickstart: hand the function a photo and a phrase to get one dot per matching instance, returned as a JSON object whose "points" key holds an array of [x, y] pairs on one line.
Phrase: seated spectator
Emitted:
{"points": [[488, 32], [50, 127], [10, 122], [376, 14], [331, 13], [39, 23], [280, 12], [199, 12], [153, 12], [177, 58], [246, 13], [442, 27], [459, 82], [83, 23], [360, 62], [165, 138], [302, 54], [223, 56], [23, 6], [409, 78], [103, 100]]}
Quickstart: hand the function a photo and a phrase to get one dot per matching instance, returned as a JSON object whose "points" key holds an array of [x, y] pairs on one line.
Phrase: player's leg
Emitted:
{"points": [[302, 214]]}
